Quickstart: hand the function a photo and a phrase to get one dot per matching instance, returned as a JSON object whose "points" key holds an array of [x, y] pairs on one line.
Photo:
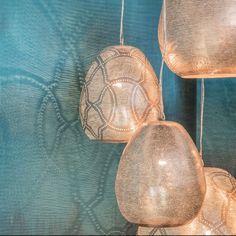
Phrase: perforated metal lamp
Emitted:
{"points": [[120, 93], [160, 179], [217, 215], [198, 37]]}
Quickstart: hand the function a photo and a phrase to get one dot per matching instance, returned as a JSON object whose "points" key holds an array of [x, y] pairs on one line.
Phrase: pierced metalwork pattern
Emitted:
{"points": [[120, 93], [217, 215], [199, 40], [160, 179]]}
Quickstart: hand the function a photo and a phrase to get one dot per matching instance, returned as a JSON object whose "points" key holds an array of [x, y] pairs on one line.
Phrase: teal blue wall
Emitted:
{"points": [[53, 179]]}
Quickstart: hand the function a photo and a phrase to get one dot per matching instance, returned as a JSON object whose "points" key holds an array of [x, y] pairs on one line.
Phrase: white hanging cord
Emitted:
{"points": [[161, 90], [202, 114], [164, 24], [162, 61], [121, 23]]}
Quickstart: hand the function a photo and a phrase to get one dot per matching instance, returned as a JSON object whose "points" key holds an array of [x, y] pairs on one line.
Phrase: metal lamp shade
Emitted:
{"points": [[120, 93], [218, 213], [160, 179], [200, 38]]}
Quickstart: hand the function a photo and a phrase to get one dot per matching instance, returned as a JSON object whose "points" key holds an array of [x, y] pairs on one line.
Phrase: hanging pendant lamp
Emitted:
{"points": [[217, 215], [198, 37], [121, 92], [160, 179]]}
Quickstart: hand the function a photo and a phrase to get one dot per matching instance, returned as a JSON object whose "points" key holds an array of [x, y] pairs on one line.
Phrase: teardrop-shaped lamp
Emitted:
{"points": [[218, 213], [200, 38], [121, 92], [160, 179]]}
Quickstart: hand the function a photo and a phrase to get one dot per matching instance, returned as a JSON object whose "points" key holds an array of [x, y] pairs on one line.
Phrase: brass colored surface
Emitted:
{"points": [[120, 93], [218, 213], [200, 38], [160, 179]]}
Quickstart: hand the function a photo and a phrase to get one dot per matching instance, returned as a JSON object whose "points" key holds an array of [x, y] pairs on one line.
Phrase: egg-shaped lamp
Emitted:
{"points": [[218, 213], [121, 91], [160, 179]]}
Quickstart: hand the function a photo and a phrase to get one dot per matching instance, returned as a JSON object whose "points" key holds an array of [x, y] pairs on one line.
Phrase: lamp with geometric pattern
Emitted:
{"points": [[121, 92]]}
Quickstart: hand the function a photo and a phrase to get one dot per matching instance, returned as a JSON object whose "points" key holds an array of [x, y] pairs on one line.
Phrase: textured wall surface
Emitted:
{"points": [[53, 179]]}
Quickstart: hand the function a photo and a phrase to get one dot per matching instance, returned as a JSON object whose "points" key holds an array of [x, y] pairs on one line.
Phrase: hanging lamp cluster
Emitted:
{"points": [[161, 181]]}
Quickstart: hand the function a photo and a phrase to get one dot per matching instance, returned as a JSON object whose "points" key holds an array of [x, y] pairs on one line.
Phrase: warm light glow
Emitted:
{"points": [[162, 163], [119, 85], [121, 92], [218, 213], [152, 191], [208, 232], [199, 42], [160, 179]]}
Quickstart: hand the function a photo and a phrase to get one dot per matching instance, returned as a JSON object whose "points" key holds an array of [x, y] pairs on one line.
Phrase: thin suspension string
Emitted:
{"points": [[161, 89], [162, 61], [122, 23], [202, 115]]}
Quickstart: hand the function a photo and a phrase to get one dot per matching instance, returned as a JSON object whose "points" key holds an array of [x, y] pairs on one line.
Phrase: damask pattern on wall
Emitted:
{"points": [[54, 180]]}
